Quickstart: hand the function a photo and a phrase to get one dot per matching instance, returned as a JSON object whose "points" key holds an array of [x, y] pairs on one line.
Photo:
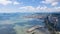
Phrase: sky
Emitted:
{"points": [[11, 6]]}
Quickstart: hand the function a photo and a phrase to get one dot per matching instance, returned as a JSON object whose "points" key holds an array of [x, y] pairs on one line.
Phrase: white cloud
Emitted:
{"points": [[57, 9], [39, 9], [52, 2], [15, 3], [5, 2], [27, 8], [30, 9], [48, 1], [46, 9], [33, 9]]}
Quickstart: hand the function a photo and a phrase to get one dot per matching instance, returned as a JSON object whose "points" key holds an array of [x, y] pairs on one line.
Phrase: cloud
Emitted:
{"points": [[6, 2], [39, 9], [47, 9], [15, 3], [30, 9], [52, 2], [27, 8]]}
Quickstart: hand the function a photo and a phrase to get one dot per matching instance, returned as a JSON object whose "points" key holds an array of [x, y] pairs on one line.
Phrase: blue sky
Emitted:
{"points": [[10, 6]]}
